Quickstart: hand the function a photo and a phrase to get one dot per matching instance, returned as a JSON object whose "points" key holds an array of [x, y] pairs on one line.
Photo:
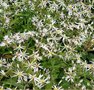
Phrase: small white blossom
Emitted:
{"points": [[21, 76], [21, 56], [83, 87], [3, 72], [41, 81], [57, 88], [5, 5]]}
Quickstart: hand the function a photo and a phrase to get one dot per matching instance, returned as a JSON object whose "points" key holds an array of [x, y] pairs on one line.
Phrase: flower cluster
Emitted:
{"points": [[46, 45]]}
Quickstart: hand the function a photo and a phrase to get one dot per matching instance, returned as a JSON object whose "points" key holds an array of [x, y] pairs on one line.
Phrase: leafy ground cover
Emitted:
{"points": [[46, 44]]}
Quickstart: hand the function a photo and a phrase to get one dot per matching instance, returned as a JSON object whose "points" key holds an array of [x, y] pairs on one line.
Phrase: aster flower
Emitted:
{"points": [[57, 88], [21, 56], [41, 81], [32, 78], [19, 47], [36, 67], [5, 5], [21, 76]]}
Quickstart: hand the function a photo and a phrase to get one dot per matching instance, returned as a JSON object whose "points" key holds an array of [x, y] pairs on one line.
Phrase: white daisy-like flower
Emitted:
{"points": [[41, 81], [57, 88], [20, 56], [21, 76], [19, 47], [5, 5]]}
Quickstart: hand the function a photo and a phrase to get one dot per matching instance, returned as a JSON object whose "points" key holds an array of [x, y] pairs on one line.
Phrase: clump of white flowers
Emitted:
{"points": [[46, 45]]}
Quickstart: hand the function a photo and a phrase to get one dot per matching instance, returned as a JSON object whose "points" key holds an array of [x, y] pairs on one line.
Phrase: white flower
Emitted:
{"points": [[19, 47], [61, 3], [89, 66], [62, 15], [49, 16], [30, 65], [57, 88], [43, 3], [44, 32], [6, 37], [36, 56], [21, 56], [45, 47], [2, 44], [32, 78], [3, 72], [39, 24], [69, 78], [53, 7], [36, 67], [71, 74], [21, 76], [34, 19], [6, 41], [78, 58], [25, 78], [5, 5], [7, 20], [41, 81], [83, 87], [8, 89], [8, 66], [19, 73], [70, 10], [78, 61]]}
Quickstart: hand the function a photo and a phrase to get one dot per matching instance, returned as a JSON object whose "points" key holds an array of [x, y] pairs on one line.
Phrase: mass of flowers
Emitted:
{"points": [[46, 44]]}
